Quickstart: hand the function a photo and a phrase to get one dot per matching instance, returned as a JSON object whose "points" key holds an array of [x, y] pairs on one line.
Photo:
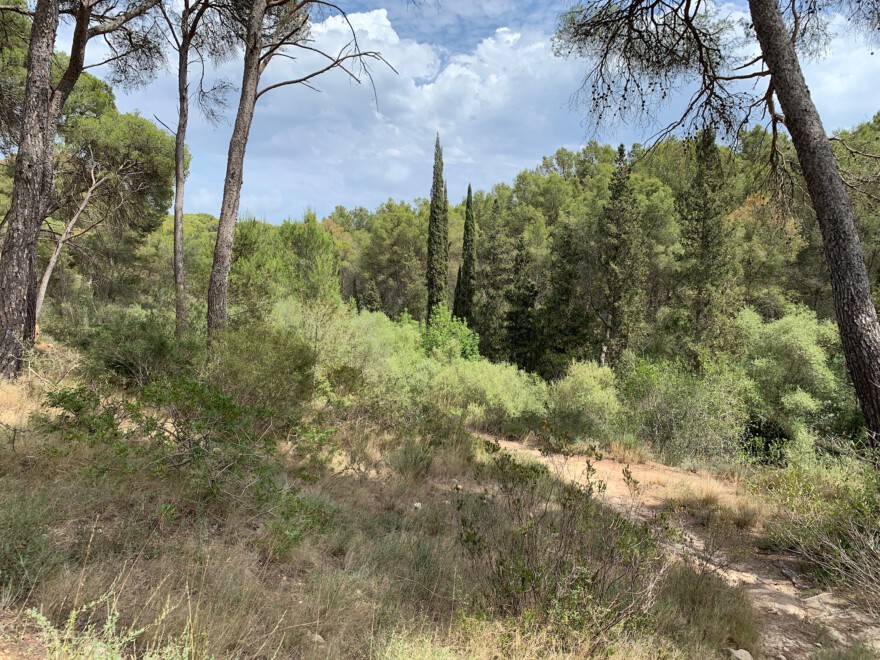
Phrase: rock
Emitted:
{"points": [[317, 639], [741, 654]]}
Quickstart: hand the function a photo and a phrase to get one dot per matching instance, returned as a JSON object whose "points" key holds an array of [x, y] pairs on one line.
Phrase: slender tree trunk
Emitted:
{"points": [[59, 245], [50, 268], [180, 178], [218, 288], [854, 306], [18, 259]]}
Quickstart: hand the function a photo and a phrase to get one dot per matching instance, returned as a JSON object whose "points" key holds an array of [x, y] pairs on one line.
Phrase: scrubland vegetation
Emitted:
{"points": [[307, 461]]}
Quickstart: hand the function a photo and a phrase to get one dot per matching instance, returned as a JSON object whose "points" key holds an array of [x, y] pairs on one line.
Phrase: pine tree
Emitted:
{"points": [[623, 256], [438, 237], [709, 297], [463, 305]]}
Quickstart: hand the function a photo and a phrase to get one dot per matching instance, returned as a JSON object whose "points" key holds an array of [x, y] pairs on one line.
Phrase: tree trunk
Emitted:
{"points": [[180, 179], [854, 306], [50, 268], [59, 245], [18, 260], [218, 289]]}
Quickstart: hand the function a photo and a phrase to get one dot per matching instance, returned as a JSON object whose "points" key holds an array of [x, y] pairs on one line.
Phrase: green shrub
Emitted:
{"points": [[131, 348], [448, 337], [272, 369], [828, 513], [498, 398], [797, 373], [684, 416], [388, 364], [584, 403], [550, 554]]}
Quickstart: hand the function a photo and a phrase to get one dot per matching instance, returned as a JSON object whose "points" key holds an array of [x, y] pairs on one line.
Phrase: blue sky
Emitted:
{"points": [[479, 72]]}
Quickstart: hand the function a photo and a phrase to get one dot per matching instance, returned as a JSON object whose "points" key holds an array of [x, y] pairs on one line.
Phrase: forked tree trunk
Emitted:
{"points": [[854, 306], [218, 289], [61, 242], [18, 260]]}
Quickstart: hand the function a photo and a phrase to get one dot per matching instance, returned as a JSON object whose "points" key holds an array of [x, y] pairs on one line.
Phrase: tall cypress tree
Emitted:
{"points": [[463, 305], [494, 277], [521, 319], [709, 297], [623, 255], [438, 236]]}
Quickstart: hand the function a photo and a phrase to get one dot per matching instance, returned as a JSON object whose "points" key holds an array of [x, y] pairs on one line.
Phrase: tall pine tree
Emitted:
{"points": [[623, 255], [438, 237], [463, 304]]}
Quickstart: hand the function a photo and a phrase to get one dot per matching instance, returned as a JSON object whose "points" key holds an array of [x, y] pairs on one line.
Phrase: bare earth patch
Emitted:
{"points": [[795, 620], [19, 638]]}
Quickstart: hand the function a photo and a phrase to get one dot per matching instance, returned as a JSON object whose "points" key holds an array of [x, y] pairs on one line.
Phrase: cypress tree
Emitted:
{"points": [[709, 297], [438, 236], [624, 259], [463, 305], [494, 278], [521, 319]]}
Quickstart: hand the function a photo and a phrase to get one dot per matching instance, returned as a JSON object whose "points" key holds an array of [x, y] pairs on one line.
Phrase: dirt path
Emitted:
{"points": [[795, 620]]}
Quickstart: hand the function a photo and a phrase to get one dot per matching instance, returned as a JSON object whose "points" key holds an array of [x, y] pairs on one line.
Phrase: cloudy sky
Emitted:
{"points": [[480, 72]]}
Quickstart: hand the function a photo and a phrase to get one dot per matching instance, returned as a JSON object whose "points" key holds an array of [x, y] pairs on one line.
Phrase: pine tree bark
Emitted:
{"points": [[854, 306], [218, 288], [18, 265], [180, 178]]}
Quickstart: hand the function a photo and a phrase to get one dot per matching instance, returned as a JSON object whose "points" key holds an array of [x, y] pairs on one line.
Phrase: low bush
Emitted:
{"points": [[131, 347], [498, 398], [584, 403], [684, 417], [701, 612], [272, 369], [828, 513], [447, 337], [552, 555]]}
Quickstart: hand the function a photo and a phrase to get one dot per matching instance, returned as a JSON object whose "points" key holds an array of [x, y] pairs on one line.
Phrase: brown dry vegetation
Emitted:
{"points": [[361, 559]]}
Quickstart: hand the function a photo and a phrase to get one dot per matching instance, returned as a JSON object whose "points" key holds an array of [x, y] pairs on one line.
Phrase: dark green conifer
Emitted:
{"points": [[709, 297], [493, 279], [463, 304], [623, 255], [522, 328], [438, 237]]}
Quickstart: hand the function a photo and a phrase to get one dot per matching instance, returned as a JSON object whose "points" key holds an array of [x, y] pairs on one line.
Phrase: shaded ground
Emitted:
{"points": [[795, 619]]}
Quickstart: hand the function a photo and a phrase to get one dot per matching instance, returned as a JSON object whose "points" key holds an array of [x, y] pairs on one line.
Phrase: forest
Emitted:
{"points": [[624, 405]]}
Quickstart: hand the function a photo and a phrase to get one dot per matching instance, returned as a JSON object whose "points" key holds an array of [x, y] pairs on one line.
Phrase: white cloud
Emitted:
{"points": [[499, 104]]}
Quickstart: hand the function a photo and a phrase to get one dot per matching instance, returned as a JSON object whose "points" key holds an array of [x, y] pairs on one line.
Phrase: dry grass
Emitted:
{"points": [[350, 563], [16, 404], [628, 452], [714, 502]]}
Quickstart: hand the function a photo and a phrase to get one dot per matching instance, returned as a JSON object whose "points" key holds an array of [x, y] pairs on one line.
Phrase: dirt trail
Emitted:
{"points": [[795, 620]]}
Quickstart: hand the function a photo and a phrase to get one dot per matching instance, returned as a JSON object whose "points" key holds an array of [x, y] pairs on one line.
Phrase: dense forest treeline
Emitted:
{"points": [[677, 261]]}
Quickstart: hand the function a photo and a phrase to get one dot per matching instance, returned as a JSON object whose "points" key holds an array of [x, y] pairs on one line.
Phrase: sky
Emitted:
{"points": [[481, 73]]}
